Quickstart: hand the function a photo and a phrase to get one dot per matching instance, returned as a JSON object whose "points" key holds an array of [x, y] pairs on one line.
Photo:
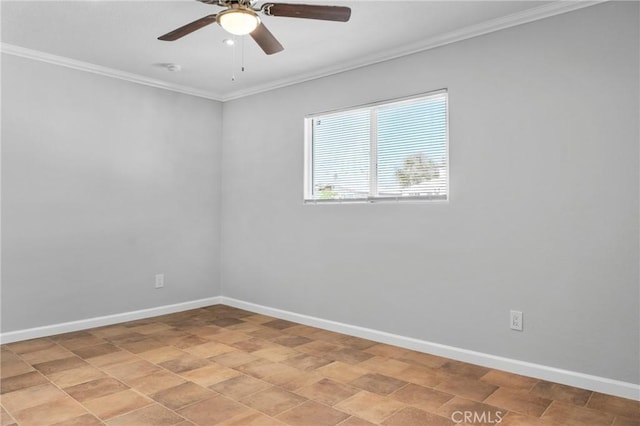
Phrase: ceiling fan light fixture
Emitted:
{"points": [[238, 21]]}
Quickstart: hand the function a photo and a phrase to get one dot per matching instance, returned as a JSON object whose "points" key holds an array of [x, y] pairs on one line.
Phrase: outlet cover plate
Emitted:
{"points": [[516, 320]]}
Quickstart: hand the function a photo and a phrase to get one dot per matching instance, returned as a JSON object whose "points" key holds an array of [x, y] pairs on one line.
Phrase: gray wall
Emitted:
{"points": [[104, 184], [543, 214]]}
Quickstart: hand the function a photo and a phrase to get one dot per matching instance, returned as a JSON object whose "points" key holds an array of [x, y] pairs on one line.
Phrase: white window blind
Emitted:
{"points": [[394, 150]]}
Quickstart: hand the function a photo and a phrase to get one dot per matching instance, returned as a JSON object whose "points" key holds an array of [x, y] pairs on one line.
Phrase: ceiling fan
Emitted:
{"points": [[241, 18]]}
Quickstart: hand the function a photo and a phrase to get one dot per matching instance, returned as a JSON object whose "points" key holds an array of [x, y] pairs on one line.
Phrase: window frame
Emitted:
{"points": [[373, 152]]}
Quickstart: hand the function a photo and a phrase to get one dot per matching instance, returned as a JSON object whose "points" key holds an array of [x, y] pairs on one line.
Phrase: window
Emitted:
{"points": [[393, 150]]}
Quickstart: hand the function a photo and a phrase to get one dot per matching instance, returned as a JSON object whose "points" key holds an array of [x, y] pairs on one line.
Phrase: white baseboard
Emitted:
{"points": [[67, 327], [552, 374]]}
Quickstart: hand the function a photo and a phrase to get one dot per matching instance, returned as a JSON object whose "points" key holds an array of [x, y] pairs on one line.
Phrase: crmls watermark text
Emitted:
{"points": [[483, 417]]}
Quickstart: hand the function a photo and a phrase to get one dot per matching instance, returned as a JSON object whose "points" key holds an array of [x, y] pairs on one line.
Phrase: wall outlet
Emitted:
{"points": [[159, 280], [516, 320]]}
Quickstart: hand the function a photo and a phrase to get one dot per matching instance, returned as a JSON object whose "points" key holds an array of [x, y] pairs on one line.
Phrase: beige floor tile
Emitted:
{"points": [[182, 395], [318, 348], [245, 327], [466, 388], [30, 345], [186, 342], [240, 386], [155, 382], [626, 421], [615, 405], [267, 333], [423, 376], [349, 355], [560, 392], [162, 354], [83, 420], [386, 351], [312, 413], [76, 376], [185, 363], [234, 358], [306, 362], [356, 421], [302, 330], [95, 389], [273, 401], [6, 356], [355, 342], [515, 419], [259, 318], [291, 341], [21, 381], [116, 404], [342, 372], [370, 406], [378, 383], [293, 380], [142, 345], [44, 355], [110, 330], [50, 413], [383, 365], [151, 328], [14, 368], [327, 391], [71, 335], [422, 397], [94, 351], [518, 401], [62, 364], [457, 368], [567, 414], [289, 370], [230, 337], [212, 411], [412, 416], [127, 371], [424, 360], [253, 344], [510, 381], [209, 375], [128, 337], [460, 405], [112, 358], [209, 349], [279, 324], [252, 418], [31, 396], [81, 342], [276, 354], [260, 368], [6, 419], [151, 415]]}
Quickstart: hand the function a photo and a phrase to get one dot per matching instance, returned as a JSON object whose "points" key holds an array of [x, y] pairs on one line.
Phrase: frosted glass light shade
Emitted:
{"points": [[238, 21]]}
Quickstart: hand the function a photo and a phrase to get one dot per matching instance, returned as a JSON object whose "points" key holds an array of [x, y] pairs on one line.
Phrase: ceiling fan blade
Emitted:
{"points": [[189, 28], [326, 13], [266, 40]]}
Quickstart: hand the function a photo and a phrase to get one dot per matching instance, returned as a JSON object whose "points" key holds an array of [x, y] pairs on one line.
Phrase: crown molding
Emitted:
{"points": [[493, 25], [37, 55], [486, 27]]}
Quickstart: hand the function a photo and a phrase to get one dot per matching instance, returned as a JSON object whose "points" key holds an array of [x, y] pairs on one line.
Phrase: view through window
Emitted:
{"points": [[392, 150]]}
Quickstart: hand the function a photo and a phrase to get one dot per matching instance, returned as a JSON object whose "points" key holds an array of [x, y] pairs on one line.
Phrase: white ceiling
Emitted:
{"points": [[120, 38]]}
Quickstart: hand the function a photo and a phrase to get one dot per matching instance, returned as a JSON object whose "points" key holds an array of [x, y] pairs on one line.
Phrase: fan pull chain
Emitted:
{"points": [[242, 64], [233, 62]]}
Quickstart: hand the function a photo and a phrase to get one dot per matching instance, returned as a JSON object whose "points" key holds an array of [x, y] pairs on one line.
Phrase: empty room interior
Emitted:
{"points": [[370, 213]]}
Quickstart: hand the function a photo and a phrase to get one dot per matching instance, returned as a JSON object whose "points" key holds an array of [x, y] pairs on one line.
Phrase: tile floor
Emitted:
{"points": [[224, 366]]}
